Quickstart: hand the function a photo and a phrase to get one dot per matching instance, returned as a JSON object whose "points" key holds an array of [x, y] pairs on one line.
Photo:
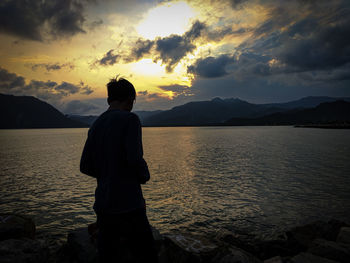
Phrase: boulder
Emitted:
{"points": [[344, 235], [304, 235], [23, 250], [81, 246], [276, 259], [16, 226], [185, 248], [234, 255], [330, 249], [241, 240], [309, 258], [271, 248]]}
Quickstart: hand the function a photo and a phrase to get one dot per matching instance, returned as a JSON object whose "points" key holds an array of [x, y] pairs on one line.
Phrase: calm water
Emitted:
{"points": [[204, 179]]}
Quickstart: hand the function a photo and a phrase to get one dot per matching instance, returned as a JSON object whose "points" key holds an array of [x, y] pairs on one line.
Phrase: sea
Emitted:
{"points": [[204, 180]]}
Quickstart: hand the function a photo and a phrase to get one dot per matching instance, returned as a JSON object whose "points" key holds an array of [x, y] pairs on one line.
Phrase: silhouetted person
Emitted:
{"points": [[113, 154]]}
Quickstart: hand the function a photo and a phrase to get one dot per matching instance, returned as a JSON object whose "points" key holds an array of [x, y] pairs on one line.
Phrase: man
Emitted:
{"points": [[113, 154]]}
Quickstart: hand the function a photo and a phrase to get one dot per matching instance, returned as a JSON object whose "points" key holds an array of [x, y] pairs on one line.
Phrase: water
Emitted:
{"points": [[205, 180]]}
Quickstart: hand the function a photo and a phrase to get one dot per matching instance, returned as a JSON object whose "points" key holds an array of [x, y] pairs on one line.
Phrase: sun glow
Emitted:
{"points": [[147, 67], [166, 19]]}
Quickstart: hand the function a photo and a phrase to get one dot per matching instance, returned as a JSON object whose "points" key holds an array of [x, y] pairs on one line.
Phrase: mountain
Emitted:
{"points": [[325, 113], [143, 115], [20, 112], [218, 111], [307, 102], [88, 120], [212, 112]]}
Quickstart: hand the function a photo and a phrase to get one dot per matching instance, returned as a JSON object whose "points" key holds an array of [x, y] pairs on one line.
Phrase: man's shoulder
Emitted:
{"points": [[118, 116]]}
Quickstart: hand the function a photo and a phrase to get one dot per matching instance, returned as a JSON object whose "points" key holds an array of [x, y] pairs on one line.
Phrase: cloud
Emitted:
{"points": [[109, 59], [78, 107], [177, 89], [211, 67], [237, 4], [95, 24], [169, 50], [53, 92], [52, 66], [172, 49], [141, 48], [156, 101], [321, 48], [37, 19]]}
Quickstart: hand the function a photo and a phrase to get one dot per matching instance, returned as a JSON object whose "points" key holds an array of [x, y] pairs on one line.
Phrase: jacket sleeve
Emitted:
{"points": [[134, 149], [86, 161]]}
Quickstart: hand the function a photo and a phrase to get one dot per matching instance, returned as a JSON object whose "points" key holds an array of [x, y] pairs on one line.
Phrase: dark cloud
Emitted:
{"points": [[173, 48], [109, 59], [95, 24], [78, 107], [141, 48], [323, 47], [85, 89], [142, 93], [33, 19], [11, 83], [177, 89], [169, 50], [195, 31], [52, 66], [306, 45], [211, 67], [237, 4]]}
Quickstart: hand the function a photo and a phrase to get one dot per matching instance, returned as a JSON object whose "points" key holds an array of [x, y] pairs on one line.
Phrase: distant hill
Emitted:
{"points": [[88, 120], [307, 102], [20, 112], [216, 111], [143, 115], [325, 113]]}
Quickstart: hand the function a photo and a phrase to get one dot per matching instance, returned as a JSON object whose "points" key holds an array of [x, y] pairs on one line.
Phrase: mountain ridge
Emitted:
{"points": [[26, 112]]}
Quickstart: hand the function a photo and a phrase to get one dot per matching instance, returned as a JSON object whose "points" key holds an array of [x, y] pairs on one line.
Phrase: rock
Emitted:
{"points": [[271, 248], [23, 250], [241, 240], [16, 226], [276, 259], [330, 250], [263, 249], [180, 248], [307, 233], [81, 246], [344, 235], [234, 255], [309, 258]]}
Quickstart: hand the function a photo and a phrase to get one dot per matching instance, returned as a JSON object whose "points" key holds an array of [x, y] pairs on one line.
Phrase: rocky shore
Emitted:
{"points": [[317, 242]]}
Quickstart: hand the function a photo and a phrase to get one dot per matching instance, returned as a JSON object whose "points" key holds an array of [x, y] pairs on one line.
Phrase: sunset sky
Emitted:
{"points": [[65, 51]]}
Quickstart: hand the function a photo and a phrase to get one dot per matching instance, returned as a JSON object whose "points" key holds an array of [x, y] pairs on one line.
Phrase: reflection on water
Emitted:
{"points": [[204, 179]]}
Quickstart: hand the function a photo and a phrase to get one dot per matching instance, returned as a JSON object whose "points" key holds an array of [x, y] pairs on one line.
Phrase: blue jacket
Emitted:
{"points": [[113, 154]]}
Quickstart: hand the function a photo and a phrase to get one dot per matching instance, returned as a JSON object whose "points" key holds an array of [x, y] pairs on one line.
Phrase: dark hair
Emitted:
{"points": [[120, 90]]}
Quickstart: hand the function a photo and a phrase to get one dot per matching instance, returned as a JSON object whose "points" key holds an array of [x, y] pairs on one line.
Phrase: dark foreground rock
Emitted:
{"points": [[16, 226], [322, 242], [23, 250]]}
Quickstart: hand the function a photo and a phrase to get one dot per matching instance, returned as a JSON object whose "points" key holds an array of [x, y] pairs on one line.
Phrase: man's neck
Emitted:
{"points": [[117, 105]]}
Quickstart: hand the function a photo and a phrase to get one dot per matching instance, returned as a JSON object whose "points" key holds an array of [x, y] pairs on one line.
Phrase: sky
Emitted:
{"points": [[65, 51]]}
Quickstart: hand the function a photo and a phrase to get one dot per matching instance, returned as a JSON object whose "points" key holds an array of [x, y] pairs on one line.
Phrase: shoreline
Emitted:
{"points": [[316, 241]]}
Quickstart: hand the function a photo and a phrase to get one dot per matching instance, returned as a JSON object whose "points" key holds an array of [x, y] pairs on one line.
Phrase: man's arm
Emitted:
{"points": [[86, 161], [134, 149]]}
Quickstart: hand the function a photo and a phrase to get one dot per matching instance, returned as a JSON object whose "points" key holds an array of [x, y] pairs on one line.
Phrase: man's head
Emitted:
{"points": [[122, 92]]}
